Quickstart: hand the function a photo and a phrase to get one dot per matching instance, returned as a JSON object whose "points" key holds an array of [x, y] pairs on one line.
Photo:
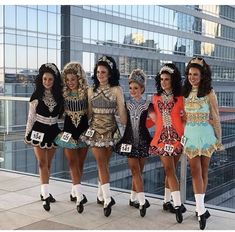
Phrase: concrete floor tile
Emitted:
{"points": [[12, 221], [21, 208], [48, 225], [14, 200], [36, 209]]}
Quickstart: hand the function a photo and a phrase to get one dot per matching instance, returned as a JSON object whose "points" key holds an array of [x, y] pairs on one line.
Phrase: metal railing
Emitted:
{"points": [[17, 156]]}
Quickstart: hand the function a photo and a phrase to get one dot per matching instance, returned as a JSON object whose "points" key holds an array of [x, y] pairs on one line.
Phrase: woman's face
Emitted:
{"points": [[165, 81], [71, 81], [47, 80], [102, 74], [135, 90], [194, 77]]}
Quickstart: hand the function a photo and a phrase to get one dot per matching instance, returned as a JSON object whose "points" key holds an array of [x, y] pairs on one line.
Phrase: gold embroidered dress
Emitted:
{"points": [[202, 129], [104, 103]]}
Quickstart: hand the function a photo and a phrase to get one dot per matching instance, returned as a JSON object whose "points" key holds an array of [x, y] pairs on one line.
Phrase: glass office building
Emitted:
{"points": [[137, 36]]}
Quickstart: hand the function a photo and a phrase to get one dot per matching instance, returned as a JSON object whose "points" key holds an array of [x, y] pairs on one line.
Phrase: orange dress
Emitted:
{"points": [[169, 125]]}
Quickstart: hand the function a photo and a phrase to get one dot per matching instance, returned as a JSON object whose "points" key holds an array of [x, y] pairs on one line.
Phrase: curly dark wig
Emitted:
{"points": [[175, 80], [56, 88], [204, 87], [112, 69]]}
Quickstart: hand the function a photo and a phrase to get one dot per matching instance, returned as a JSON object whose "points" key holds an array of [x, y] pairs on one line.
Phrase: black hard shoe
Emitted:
{"points": [[143, 208], [46, 204], [168, 207], [80, 206], [99, 202], [51, 198], [134, 204], [178, 214], [207, 214], [73, 198], [108, 208], [183, 209], [202, 221]]}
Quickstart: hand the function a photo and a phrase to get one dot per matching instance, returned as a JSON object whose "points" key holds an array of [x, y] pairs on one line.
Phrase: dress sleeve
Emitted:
{"points": [[150, 121], [214, 115], [31, 116], [121, 109]]}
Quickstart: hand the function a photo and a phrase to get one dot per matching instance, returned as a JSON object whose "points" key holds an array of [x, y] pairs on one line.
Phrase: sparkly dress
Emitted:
{"points": [[202, 137], [169, 125], [75, 122], [136, 134], [42, 121], [104, 103]]}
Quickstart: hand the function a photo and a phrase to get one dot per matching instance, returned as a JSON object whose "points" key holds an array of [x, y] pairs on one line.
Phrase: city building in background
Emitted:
{"points": [[137, 36]]}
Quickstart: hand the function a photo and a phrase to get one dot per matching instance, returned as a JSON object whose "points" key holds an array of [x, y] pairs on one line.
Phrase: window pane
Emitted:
{"points": [[10, 16], [94, 26], [86, 30], [10, 56], [42, 21], [41, 7], [101, 31], [108, 32], [1, 16], [32, 20], [52, 56], [52, 8], [51, 23], [32, 41], [10, 38], [21, 18], [32, 58], [21, 40], [21, 57], [42, 56], [1, 55]]}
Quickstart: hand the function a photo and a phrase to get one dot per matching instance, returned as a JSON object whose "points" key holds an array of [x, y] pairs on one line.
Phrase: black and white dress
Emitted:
{"points": [[42, 127], [75, 123], [136, 139]]}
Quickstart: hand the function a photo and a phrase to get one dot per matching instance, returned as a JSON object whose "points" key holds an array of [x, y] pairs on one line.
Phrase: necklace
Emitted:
{"points": [[49, 100]]}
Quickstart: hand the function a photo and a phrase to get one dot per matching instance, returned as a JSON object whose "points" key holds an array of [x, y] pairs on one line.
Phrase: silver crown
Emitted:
{"points": [[166, 69], [105, 59], [51, 66], [137, 78]]}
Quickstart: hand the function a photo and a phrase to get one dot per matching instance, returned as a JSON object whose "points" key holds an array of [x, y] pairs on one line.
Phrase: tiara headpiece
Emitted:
{"points": [[198, 61], [166, 69], [137, 76], [51, 66], [105, 59]]}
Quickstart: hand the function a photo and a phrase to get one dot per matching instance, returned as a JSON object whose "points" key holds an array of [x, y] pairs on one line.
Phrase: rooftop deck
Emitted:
{"points": [[20, 208]]}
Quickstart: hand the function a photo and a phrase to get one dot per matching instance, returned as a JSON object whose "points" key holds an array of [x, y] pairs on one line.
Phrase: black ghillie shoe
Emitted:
{"points": [[207, 214], [134, 204], [202, 221], [143, 208], [99, 202], [178, 214], [183, 209], [108, 208], [73, 198], [46, 204], [80, 206], [168, 207], [51, 198]]}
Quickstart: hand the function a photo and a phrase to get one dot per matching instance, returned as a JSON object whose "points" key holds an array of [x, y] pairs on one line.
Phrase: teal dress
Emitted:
{"points": [[201, 138]]}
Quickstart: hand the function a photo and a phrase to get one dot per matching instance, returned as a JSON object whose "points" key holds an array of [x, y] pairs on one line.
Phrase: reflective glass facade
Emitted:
{"points": [[137, 36]]}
